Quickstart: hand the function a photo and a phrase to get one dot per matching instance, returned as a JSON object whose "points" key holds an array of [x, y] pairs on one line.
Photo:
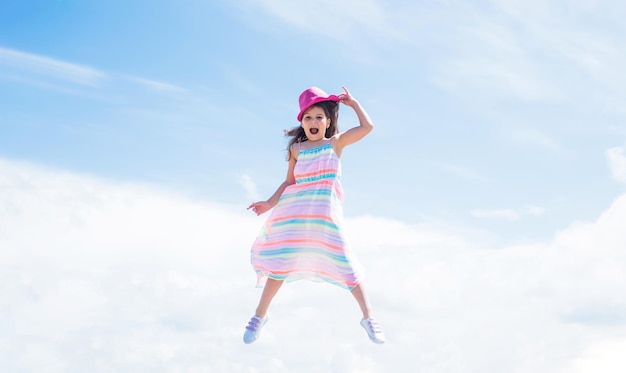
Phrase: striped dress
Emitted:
{"points": [[303, 238]]}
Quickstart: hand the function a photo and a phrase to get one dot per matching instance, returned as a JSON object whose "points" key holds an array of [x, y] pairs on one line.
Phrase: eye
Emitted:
{"points": [[319, 118]]}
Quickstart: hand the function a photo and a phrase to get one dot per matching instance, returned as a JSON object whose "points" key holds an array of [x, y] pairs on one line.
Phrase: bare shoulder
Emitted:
{"points": [[294, 149]]}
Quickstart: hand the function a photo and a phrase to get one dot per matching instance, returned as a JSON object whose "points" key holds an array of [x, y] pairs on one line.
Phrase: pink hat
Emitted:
{"points": [[312, 96]]}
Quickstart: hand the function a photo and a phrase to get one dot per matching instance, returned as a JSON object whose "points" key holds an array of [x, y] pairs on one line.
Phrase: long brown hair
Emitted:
{"points": [[331, 110]]}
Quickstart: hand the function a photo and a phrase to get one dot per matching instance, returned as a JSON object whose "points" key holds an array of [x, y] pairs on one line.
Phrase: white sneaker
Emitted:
{"points": [[374, 330], [253, 330]]}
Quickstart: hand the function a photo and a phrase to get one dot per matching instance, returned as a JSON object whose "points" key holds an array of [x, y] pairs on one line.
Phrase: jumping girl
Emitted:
{"points": [[304, 238]]}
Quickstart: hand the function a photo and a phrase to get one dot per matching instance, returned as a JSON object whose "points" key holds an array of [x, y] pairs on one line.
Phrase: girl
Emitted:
{"points": [[303, 237]]}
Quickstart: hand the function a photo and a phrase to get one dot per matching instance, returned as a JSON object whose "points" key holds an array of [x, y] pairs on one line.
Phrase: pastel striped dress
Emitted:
{"points": [[303, 238]]}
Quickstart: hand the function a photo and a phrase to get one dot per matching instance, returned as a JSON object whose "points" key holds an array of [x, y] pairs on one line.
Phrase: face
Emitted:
{"points": [[315, 122]]}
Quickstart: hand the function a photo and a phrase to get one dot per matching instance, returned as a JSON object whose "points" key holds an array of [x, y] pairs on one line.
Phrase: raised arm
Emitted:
{"points": [[261, 207], [354, 134]]}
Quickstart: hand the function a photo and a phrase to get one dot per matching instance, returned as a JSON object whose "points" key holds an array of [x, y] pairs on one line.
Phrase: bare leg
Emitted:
{"points": [[270, 289], [361, 298]]}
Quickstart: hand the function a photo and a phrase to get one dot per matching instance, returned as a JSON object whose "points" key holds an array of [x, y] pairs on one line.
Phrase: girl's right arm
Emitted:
{"points": [[343, 139], [263, 206]]}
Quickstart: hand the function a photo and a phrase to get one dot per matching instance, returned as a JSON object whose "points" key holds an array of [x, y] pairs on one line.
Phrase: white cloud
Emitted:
{"points": [[604, 356], [100, 276], [617, 163]]}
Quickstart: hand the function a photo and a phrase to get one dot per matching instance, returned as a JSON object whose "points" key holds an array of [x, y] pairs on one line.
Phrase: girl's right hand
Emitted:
{"points": [[260, 207], [346, 98]]}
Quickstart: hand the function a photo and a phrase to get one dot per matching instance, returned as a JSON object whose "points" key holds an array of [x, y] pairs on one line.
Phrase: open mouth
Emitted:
{"points": [[314, 131]]}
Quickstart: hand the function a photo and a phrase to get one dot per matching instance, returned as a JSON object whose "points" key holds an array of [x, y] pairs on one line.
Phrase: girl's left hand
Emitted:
{"points": [[346, 98]]}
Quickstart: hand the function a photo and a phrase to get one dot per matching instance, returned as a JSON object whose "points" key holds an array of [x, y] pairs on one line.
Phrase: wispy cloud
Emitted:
{"points": [[530, 51], [252, 192], [508, 214], [492, 61], [67, 77], [488, 57], [460, 171], [340, 21], [616, 158], [534, 210], [47, 67], [592, 50], [156, 86], [505, 214], [535, 137]]}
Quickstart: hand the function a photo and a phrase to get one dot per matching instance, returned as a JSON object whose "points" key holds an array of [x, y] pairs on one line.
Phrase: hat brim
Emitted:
{"points": [[317, 100]]}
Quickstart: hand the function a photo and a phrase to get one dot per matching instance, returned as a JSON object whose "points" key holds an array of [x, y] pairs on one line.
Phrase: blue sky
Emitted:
{"points": [[495, 116], [498, 125]]}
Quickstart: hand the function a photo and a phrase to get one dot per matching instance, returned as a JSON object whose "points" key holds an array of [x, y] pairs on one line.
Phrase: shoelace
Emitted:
{"points": [[374, 326], [253, 324]]}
